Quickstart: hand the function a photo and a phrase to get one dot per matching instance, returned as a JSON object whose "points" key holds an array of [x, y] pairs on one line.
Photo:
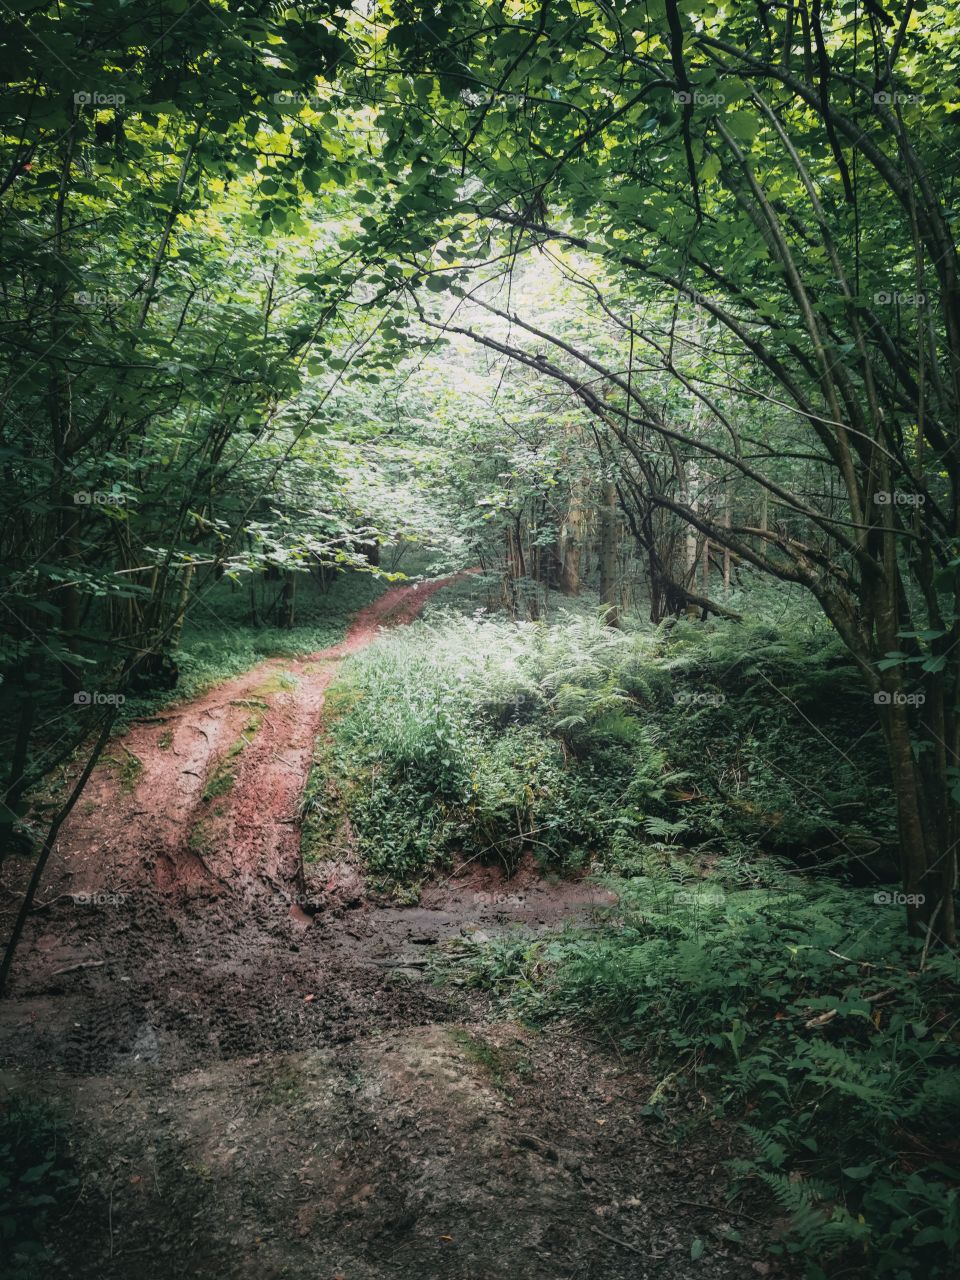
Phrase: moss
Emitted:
{"points": [[485, 1055], [129, 768], [199, 840], [286, 1088], [279, 682], [221, 782], [224, 777]]}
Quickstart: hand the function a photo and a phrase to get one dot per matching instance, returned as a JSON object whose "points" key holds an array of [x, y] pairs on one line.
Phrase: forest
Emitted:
{"points": [[479, 640]]}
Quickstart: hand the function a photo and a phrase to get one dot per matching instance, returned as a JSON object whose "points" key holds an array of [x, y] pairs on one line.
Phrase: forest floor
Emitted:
{"points": [[263, 1081]]}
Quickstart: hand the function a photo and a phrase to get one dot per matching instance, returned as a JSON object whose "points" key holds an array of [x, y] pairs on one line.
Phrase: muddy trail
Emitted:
{"points": [[261, 1076]]}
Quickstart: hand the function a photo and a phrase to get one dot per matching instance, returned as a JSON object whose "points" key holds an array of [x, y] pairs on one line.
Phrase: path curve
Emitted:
{"points": [[204, 797], [254, 1093]]}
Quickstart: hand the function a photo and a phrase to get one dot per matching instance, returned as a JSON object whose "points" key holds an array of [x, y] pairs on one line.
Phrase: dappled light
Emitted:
{"points": [[479, 640]]}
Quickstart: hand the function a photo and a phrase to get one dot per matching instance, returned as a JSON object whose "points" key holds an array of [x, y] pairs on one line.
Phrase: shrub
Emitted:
{"points": [[587, 744], [806, 1013], [36, 1179], [491, 738]]}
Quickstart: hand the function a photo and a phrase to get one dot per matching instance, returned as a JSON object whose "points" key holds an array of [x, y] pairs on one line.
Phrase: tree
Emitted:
{"points": [[785, 171]]}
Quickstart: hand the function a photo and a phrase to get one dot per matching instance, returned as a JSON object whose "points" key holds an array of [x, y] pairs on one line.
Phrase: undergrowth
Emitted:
{"points": [[488, 740], [221, 639], [802, 1011], [37, 1180], [590, 746], [698, 767]]}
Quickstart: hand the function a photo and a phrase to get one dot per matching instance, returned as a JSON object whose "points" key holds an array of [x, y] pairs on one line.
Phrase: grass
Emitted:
{"points": [[277, 682], [199, 839], [128, 767], [38, 1183], [589, 746], [320, 812], [224, 776], [800, 1011], [220, 640], [219, 784], [485, 1055]]}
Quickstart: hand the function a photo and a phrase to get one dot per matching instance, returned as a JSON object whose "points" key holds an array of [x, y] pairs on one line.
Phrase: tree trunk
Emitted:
{"points": [[609, 539]]}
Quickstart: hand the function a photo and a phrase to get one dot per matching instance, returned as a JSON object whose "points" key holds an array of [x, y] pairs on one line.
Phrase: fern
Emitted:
{"points": [[818, 1227]]}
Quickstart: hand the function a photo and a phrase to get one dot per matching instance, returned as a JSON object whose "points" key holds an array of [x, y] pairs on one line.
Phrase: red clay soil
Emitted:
{"points": [[144, 813], [263, 1083]]}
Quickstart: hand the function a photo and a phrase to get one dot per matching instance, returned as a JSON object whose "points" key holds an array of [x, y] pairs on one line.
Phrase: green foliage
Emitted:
{"points": [[490, 738], [37, 1181], [221, 639], [589, 745], [803, 1011], [761, 718]]}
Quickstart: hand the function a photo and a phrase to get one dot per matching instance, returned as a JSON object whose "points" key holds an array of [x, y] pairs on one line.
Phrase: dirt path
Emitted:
{"points": [[263, 1081]]}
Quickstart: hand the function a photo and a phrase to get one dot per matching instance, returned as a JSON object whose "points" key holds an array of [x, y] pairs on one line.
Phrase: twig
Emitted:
{"points": [[81, 964], [51, 902], [724, 1209], [865, 964], [624, 1244], [926, 945]]}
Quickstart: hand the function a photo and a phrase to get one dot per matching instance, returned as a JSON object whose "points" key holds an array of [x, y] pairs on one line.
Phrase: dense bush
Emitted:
{"points": [[779, 740], [490, 738], [588, 745], [36, 1179], [799, 1009]]}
